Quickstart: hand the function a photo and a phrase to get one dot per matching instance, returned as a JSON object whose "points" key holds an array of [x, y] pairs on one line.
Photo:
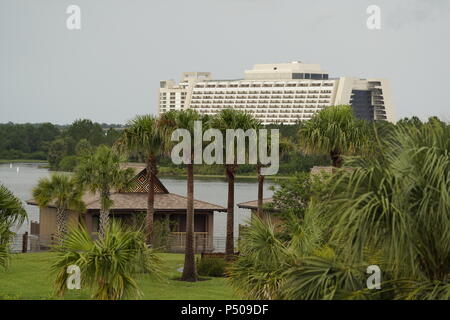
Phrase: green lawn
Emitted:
{"points": [[28, 277]]}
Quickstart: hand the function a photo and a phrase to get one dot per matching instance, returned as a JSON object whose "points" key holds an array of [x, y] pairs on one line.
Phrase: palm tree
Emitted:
{"points": [[64, 193], [336, 131], [101, 172], [232, 119], [391, 211], [108, 266], [146, 136], [298, 263], [399, 201], [257, 272], [186, 120], [11, 213], [285, 146]]}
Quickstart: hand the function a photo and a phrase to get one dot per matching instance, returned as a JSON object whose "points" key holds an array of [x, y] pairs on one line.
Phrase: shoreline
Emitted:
{"points": [[168, 175], [218, 176], [4, 161]]}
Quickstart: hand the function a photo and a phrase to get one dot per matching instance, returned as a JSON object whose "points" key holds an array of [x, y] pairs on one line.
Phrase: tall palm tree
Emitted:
{"points": [[64, 193], [232, 119], [11, 213], [186, 120], [336, 131], [285, 146], [146, 136], [101, 173]]}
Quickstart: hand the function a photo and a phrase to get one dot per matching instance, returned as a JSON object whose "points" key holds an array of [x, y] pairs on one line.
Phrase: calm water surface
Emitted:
{"points": [[20, 178]]}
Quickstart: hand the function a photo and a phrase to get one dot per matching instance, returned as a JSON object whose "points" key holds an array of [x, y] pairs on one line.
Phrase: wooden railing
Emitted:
{"points": [[202, 242]]}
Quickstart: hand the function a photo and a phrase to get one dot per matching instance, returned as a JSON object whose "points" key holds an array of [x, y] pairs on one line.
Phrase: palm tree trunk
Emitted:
{"points": [[151, 168], [336, 158], [104, 222], [61, 223], [260, 191], [104, 213], [229, 250], [189, 270]]}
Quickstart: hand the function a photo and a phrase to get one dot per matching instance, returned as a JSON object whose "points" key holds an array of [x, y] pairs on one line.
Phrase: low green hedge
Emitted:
{"points": [[211, 267]]}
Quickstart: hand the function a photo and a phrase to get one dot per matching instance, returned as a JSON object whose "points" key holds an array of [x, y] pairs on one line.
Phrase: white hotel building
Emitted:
{"points": [[278, 93]]}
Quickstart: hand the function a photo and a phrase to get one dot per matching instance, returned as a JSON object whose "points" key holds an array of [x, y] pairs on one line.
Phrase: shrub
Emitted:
{"points": [[110, 265], [161, 234], [68, 163], [38, 155], [211, 267]]}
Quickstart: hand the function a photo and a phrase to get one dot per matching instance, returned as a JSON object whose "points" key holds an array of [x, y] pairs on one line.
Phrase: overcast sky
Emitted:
{"points": [[109, 71]]}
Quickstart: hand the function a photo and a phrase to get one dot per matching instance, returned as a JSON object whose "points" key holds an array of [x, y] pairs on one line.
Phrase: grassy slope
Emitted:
{"points": [[28, 277]]}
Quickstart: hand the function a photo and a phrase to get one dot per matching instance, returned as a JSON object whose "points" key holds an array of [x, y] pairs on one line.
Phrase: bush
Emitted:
{"points": [[67, 163], [11, 154], [211, 267], [161, 234], [38, 155]]}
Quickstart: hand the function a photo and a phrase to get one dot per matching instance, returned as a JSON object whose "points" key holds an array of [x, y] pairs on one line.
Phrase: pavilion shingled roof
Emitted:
{"points": [[254, 204], [135, 198]]}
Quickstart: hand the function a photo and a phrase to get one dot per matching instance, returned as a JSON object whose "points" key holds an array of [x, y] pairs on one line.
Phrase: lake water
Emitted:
{"points": [[20, 178]]}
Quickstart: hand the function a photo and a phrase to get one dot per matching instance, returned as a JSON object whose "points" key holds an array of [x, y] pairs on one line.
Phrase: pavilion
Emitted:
{"points": [[131, 205]]}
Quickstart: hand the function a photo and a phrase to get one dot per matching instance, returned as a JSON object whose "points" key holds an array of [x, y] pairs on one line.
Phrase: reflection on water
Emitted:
{"points": [[213, 190]]}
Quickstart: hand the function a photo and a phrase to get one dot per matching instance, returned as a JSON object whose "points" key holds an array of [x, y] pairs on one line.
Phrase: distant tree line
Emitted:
{"points": [[26, 141], [57, 144], [62, 145]]}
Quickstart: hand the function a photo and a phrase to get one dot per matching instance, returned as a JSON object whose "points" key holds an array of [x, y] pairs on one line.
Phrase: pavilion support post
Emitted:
{"points": [[25, 242]]}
